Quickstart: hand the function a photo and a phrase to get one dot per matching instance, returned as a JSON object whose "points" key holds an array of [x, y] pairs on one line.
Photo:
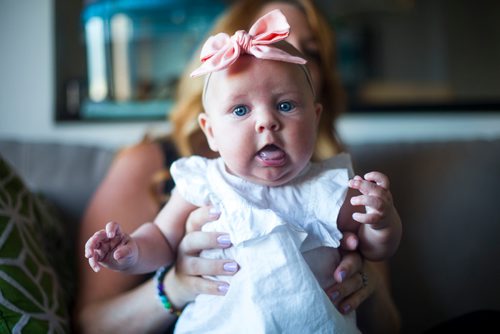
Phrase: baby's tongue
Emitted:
{"points": [[271, 152]]}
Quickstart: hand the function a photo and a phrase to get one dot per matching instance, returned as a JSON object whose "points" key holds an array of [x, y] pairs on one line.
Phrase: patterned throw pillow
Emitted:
{"points": [[31, 298]]}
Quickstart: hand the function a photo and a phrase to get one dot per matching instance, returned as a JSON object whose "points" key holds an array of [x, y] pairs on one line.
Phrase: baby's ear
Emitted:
{"points": [[206, 126]]}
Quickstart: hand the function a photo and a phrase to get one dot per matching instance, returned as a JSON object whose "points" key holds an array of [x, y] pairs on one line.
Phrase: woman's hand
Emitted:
{"points": [[356, 282], [184, 281], [356, 279]]}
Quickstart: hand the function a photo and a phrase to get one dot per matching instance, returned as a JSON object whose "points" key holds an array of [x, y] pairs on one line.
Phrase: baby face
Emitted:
{"points": [[261, 116]]}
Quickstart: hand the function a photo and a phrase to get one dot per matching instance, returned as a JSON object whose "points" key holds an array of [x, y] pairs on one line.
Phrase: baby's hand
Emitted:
{"points": [[111, 248], [375, 196]]}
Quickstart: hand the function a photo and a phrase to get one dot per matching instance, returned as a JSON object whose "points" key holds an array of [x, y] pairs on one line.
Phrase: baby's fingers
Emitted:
{"points": [[367, 218], [380, 179], [94, 243], [372, 202], [349, 241], [122, 252], [94, 264], [113, 229], [366, 187]]}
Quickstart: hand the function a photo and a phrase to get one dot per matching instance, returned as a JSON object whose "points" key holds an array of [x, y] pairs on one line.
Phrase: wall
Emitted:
{"points": [[27, 96], [27, 83]]}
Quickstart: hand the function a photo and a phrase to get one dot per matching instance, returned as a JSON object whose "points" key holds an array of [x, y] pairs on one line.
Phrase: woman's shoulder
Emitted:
{"points": [[143, 158], [140, 153], [155, 151]]}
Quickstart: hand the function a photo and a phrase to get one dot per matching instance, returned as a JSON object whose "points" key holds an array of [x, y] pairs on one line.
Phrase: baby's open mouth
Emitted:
{"points": [[271, 153]]}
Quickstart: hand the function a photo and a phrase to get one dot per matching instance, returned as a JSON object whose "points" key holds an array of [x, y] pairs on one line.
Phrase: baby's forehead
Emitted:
{"points": [[249, 78], [250, 68]]}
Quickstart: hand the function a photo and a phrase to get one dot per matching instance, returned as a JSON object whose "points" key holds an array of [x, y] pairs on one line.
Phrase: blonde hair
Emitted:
{"points": [[188, 136]]}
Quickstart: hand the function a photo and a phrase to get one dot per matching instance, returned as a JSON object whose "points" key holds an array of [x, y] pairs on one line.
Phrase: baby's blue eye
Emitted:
{"points": [[240, 110], [286, 106]]}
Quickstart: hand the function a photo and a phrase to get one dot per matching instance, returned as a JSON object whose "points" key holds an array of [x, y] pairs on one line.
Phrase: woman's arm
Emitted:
{"points": [[138, 310], [124, 195], [134, 310], [378, 313], [111, 302], [114, 302]]}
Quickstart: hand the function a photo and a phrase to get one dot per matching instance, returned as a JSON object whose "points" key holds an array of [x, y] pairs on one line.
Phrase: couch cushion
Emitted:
{"points": [[447, 196], [31, 297]]}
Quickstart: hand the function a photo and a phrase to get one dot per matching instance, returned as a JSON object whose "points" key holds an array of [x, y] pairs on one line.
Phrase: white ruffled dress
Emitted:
{"points": [[285, 240]]}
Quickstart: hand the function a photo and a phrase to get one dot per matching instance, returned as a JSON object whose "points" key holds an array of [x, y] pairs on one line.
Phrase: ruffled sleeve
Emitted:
{"points": [[190, 177], [327, 197]]}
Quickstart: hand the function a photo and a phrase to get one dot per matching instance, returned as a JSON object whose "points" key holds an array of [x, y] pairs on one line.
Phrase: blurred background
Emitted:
{"points": [[104, 72]]}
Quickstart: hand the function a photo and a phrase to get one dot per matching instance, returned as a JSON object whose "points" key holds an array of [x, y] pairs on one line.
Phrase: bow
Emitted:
{"points": [[222, 50]]}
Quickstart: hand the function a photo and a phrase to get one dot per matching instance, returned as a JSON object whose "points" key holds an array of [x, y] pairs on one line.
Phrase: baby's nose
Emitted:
{"points": [[267, 121]]}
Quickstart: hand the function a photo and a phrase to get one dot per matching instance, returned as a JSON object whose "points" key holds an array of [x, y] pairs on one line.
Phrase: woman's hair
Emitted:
{"points": [[241, 15]]}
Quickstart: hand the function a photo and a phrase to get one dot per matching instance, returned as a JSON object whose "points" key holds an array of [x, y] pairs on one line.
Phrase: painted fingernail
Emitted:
{"points": [[231, 267], [346, 308], [343, 275], [224, 240], [214, 212], [334, 296], [223, 288]]}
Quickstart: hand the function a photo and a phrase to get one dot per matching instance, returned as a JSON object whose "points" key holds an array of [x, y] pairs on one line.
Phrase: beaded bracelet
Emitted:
{"points": [[160, 275]]}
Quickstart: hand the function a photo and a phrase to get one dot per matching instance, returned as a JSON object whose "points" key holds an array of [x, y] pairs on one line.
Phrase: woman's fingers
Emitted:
{"points": [[347, 277], [190, 268], [350, 264], [206, 286], [357, 297], [369, 279], [356, 288], [347, 288], [197, 266], [193, 243], [187, 287], [189, 263], [200, 216]]}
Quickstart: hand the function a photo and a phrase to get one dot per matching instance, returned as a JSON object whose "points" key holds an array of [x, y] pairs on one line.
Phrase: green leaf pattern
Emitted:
{"points": [[31, 298]]}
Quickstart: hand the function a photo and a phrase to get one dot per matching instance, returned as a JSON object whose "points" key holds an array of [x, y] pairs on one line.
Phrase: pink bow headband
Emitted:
{"points": [[221, 50]]}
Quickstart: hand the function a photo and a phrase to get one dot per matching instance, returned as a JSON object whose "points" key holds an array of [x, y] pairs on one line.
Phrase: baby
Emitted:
{"points": [[285, 214]]}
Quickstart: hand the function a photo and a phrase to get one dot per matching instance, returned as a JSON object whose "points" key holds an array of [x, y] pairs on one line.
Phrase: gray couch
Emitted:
{"points": [[446, 193]]}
